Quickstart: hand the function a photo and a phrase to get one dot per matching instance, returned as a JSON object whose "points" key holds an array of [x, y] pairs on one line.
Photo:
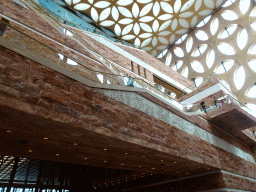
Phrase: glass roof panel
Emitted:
{"points": [[148, 16]]}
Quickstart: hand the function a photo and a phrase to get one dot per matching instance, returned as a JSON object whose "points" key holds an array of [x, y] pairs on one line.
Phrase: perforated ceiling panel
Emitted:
{"points": [[223, 43], [152, 24]]}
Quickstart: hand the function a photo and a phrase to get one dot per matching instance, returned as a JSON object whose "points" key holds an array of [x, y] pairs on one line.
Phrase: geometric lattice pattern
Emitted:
{"points": [[151, 24], [224, 43]]}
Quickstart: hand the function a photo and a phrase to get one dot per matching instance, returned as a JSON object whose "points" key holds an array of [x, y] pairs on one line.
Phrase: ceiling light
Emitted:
{"points": [[105, 149], [143, 156], [153, 168], [162, 160], [126, 153], [140, 166], [187, 173], [85, 158], [105, 161], [9, 131], [75, 143], [178, 172], [46, 138], [122, 164], [164, 170], [57, 154], [30, 151], [175, 162]]}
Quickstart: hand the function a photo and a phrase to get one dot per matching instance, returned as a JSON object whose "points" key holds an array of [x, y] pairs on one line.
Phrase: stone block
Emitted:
{"points": [[51, 98], [9, 91], [64, 109], [91, 119], [23, 87], [33, 100], [54, 82], [2, 78], [14, 74], [41, 111]]}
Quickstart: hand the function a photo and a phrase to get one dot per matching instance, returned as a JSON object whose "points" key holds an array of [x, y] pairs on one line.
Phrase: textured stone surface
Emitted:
{"points": [[116, 121], [72, 47], [138, 102], [157, 64]]}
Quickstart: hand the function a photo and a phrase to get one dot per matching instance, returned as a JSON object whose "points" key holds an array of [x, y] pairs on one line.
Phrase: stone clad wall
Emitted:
{"points": [[157, 64], [69, 47], [34, 89]]}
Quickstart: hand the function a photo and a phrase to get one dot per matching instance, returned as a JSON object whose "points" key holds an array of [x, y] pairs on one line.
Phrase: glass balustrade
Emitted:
{"points": [[35, 46]]}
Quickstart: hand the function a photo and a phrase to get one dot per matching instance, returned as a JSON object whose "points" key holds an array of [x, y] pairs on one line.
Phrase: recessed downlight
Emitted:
{"points": [[57, 154], [46, 138], [30, 151], [9, 131]]}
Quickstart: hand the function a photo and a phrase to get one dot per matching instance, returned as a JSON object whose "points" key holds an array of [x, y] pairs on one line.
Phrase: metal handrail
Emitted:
{"points": [[86, 44], [89, 29], [133, 81], [139, 81]]}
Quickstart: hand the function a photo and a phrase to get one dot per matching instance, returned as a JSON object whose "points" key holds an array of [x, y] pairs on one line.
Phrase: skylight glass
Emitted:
{"points": [[242, 39], [252, 107], [199, 50], [252, 64], [201, 35], [252, 92], [185, 72], [214, 26], [199, 81], [177, 65], [226, 49], [162, 54], [210, 58], [228, 31], [227, 65], [181, 39], [197, 66], [228, 3], [168, 60], [204, 21], [239, 78], [229, 15], [179, 52], [252, 50], [244, 6], [189, 44]]}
